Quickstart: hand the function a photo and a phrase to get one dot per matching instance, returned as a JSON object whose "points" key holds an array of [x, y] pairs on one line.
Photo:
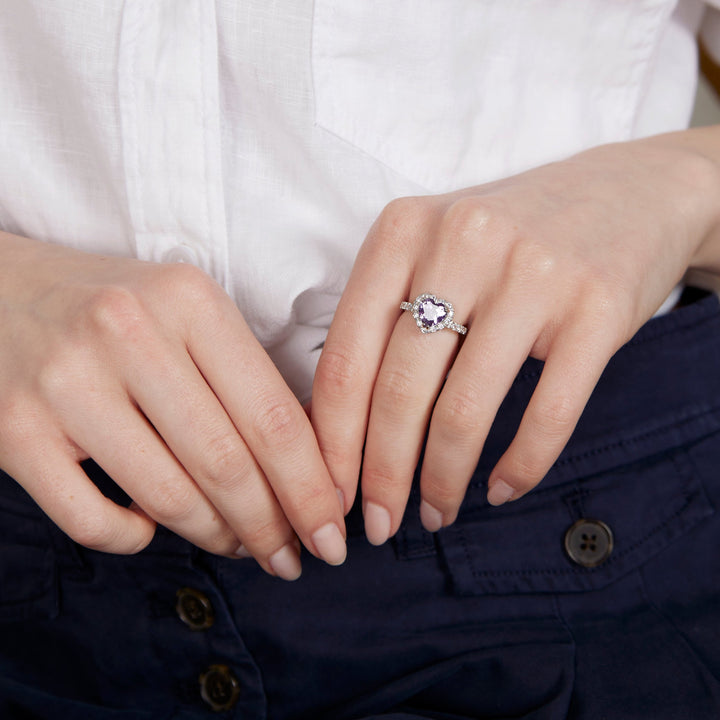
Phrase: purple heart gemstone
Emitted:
{"points": [[431, 313]]}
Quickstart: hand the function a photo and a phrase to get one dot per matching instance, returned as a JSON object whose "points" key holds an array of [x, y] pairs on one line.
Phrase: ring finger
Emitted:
{"points": [[410, 378]]}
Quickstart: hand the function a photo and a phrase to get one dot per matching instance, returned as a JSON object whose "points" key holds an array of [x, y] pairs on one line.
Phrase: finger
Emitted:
{"points": [[497, 344], [412, 372], [274, 427], [70, 499], [124, 444], [365, 318], [574, 364], [207, 486]]}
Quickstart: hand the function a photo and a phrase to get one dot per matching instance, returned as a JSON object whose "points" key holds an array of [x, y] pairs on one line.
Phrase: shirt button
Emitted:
{"points": [[589, 542], [194, 609], [181, 254], [219, 687]]}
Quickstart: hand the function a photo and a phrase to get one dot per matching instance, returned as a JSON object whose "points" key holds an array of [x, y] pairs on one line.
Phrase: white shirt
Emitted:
{"points": [[259, 139]]}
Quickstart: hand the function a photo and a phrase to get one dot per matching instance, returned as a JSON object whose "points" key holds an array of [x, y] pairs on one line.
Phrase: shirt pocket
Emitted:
{"points": [[528, 546], [28, 567], [460, 92]]}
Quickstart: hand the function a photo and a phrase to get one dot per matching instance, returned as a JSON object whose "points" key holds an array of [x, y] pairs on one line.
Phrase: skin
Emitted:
{"points": [[151, 370], [563, 263]]}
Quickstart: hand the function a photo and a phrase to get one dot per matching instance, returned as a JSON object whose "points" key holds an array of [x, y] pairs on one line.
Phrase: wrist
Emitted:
{"points": [[692, 163]]}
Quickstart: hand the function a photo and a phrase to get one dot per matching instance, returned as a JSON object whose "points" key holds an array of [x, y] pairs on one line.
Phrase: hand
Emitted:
{"points": [[151, 370], [562, 263]]}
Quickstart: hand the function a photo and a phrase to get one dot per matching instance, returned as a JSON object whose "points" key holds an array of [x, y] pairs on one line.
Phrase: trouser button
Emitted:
{"points": [[589, 543], [219, 687], [194, 609]]}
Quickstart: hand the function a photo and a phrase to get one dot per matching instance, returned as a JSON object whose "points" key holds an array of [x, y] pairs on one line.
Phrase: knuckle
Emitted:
{"points": [[115, 312], [523, 472], [91, 530], [401, 211], [459, 413], [524, 466], [340, 456], [177, 278], [603, 284], [277, 424], [440, 492], [222, 542], [395, 231], [64, 374], [227, 462], [189, 282], [171, 501], [308, 502], [470, 218], [467, 212], [337, 373], [555, 418], [192, 294], [604, 295], [612, 306], [393, 394], [263, 534], [382, 480], [532, 260], [52, 378]]}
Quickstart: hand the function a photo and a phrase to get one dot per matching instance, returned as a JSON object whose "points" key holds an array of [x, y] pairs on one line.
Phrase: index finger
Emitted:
{"points": [[274, 426], [351, 357]]}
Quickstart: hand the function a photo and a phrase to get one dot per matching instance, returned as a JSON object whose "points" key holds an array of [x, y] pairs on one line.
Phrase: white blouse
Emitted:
{"points": [[259, 139]]}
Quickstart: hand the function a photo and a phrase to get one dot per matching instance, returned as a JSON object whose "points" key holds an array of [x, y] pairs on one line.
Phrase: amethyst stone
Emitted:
{"points": [[431, 313]]}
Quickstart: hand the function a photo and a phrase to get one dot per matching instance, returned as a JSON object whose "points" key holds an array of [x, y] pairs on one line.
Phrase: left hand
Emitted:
{"points": [[562, 263]]}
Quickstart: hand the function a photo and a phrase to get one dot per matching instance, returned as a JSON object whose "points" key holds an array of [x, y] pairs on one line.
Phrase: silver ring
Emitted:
{"points": [[432, 314]]}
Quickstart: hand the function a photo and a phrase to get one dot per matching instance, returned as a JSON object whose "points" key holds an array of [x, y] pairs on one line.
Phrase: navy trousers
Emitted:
{"points": [[597, 596]]}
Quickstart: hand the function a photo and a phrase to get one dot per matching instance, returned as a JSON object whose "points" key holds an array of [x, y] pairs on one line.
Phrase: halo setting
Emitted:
{"points": [[432, 314]]}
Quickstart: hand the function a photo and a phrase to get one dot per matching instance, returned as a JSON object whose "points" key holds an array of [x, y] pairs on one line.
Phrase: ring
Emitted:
{"points": [[432, 314]]}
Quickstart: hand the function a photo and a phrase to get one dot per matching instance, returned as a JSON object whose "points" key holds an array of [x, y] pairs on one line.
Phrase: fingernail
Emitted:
{"points": [[377, 523], [286, 562], [341, 498], [431, 517], [329, 542], [242, 552], [499, 493]]}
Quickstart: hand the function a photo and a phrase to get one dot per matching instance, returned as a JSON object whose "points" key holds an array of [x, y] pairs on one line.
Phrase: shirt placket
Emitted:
{"points": [[169, 111]]}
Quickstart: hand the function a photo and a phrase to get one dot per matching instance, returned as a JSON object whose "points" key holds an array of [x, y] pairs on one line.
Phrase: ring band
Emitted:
{"points": [[432, 314]]}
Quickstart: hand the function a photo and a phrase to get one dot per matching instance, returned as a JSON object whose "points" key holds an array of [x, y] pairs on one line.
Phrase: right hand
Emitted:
{"points": [[151, 370]]}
